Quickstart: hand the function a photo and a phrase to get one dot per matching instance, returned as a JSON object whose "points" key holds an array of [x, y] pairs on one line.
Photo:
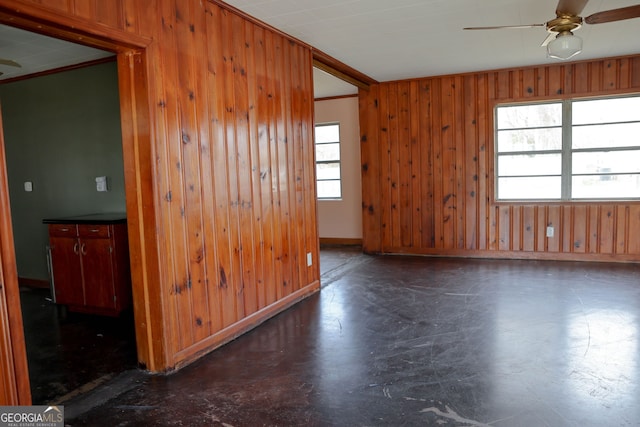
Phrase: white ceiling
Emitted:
{"points": [[385, 39], [399, 39], [36, 53]]}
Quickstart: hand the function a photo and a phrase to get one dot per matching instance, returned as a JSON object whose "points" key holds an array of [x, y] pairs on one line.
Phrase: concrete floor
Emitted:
{"points": [[71, 352], [392, 341]]}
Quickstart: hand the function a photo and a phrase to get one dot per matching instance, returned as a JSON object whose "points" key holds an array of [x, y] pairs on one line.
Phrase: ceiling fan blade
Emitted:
{"points": [[500, 27], [550, 37], [9, 62], [614, 15], [570, 7]]}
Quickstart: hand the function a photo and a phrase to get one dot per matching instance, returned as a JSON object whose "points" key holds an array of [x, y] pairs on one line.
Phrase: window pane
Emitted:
{"points": [[605, 186], [329, 189], [326, 152], [327, 133], [606, 110], [529, 188], [606, 162], [529, 140], [530, 164], [527, 116], [328, 171], [605, 136]]}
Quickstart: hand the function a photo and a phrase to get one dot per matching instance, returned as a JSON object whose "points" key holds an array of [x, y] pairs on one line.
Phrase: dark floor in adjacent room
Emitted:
{"points": [[70, 352], [392, 341]]}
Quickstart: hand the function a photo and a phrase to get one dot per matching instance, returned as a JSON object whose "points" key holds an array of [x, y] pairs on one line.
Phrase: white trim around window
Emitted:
{"points": [[569, 150]]}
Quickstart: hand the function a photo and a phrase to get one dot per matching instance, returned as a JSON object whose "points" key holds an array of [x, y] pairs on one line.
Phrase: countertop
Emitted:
{"points": [[96, 218]]}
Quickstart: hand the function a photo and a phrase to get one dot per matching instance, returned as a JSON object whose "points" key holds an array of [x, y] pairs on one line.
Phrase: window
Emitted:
{"points": [[569, 150], [328, 161]]}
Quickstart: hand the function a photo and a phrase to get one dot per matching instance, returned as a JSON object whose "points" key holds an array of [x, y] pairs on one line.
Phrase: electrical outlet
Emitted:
{"points": [[309, 259], [550, 231]]}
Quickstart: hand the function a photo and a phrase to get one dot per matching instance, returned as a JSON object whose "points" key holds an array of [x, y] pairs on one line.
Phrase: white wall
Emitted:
{"points": [[343, 218]]}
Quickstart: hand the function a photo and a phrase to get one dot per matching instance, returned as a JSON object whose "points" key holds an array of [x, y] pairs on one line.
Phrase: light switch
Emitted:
{"points": [[28, 186], [101, 183]]}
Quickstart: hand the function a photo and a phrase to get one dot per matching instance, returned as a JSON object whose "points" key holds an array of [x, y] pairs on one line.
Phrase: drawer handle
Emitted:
{"points": [[64, 229], [95, 230]]}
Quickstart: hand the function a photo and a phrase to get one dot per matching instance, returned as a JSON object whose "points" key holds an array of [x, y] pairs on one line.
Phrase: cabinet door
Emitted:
{"points": [[97, 270], [67, 276]]}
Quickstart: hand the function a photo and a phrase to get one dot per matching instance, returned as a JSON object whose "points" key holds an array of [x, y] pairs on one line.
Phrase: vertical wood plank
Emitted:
{"points": [[247, 287], [264, 199], [580, 228], [274, 292], [177, 251], [606, 229], [282, 126], [484, 177], [503, 86], [426, 175], [504, 227], [404, 193], [516, 231], [415, 115], [459, 165], [386, 157], [310, 215], [528, 228], [529, 83], [224, 159], [567, 228], [449, 157], [193, 283], [609, 74], [555, 81], [635, 72], [394, 172], [470, 170], [581, 77], [624, 74], [593, 230], [633, 230], [372, 190], [622, 230], [541, 228]]}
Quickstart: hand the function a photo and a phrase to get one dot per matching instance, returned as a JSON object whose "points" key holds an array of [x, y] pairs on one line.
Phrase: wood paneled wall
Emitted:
{"points": [[427, 162], [219, 165]]}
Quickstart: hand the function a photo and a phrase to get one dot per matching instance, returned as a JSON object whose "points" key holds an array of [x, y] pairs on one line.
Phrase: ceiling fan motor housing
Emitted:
{"points": [[564, 23]]}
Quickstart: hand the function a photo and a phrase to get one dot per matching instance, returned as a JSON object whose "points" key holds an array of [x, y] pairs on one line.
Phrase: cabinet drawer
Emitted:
{"points": [[63, 230], [93, 230]]}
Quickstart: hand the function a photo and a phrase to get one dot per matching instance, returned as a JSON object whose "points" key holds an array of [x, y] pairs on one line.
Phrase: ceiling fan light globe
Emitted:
{"points": [[564, 46]]}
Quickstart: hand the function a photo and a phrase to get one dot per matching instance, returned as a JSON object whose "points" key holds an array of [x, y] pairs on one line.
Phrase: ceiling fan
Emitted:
{"points": [[8, 62], [561, 43]]}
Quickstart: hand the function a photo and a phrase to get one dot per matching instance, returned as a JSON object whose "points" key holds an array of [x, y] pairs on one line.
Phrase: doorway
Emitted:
{"points": [[61, 129], [131, 63]]}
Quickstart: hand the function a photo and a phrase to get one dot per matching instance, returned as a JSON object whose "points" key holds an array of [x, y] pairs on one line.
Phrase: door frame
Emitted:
{"points": [[138, 155]]}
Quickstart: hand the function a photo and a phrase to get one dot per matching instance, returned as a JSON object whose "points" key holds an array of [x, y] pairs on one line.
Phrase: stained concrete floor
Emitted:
{"points": [[394, 341], [71, 352]]}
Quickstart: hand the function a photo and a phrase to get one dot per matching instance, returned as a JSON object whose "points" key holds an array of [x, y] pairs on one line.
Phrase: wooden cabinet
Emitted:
{"points": [[90, 264]]}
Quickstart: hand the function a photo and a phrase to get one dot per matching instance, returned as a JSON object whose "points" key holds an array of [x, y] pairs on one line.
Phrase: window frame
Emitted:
{"points": [[328, 162], [566, 151]]}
